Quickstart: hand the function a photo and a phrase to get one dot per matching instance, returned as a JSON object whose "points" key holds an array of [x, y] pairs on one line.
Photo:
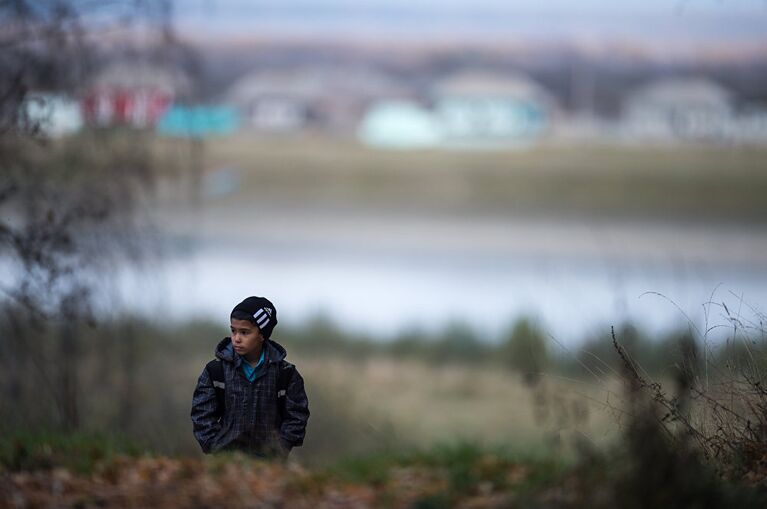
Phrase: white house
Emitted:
{"points": [[274, 100], [399, 124], [491, 107], [54, 114], [331, 98], [679, 109]]}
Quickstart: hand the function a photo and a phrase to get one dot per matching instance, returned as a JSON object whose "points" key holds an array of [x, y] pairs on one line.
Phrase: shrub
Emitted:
{"points": [[525, 349]]}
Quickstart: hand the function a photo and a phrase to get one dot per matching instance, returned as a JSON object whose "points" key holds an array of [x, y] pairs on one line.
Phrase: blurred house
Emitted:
{"points": [[399, 124], [328, 98], [182, 121], [475, 106], [679, 109], [277, 101], [53, 114], [136, 94]]}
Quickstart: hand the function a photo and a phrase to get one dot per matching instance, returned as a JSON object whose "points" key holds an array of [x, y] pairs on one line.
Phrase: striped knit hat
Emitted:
{"points": [[258, 310]]}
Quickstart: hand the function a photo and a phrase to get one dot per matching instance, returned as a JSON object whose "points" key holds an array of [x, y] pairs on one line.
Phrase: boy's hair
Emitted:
{"points": [[258, 310]]}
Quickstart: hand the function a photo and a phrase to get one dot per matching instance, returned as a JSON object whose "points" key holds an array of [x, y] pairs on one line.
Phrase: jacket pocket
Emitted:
{"points": [[221, 440]]}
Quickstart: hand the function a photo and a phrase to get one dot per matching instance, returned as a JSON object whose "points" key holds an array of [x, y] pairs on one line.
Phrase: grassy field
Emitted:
{"points": [[375, 404], [689, 183], [486, 404], [380, 404], [393, 434], [386, 431]]}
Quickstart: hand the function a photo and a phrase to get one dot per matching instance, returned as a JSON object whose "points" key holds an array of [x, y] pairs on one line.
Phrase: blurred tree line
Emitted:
{"points": [[139, 374], [527, 349], [70, 207]]}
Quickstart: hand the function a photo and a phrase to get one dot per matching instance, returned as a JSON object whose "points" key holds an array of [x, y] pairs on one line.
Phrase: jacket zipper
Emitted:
{"points": [[251, 403]]}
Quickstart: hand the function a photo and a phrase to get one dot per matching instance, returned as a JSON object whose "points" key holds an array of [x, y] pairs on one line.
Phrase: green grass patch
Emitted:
{"points": [[465, 467], [79, 452]]}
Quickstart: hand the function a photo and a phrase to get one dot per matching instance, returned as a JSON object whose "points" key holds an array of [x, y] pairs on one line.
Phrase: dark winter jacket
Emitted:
{"points": [[251, 420]]}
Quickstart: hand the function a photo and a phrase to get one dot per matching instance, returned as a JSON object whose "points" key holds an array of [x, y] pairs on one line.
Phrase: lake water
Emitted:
{"points": [[382, 275]]}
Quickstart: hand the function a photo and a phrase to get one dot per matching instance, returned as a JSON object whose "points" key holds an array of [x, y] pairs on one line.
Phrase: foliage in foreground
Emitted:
{"points": [[442, 477], [646, 469], [78, 452]]}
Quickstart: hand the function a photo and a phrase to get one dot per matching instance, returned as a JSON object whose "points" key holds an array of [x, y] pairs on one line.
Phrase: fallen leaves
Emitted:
{"points": [[235, 482]]}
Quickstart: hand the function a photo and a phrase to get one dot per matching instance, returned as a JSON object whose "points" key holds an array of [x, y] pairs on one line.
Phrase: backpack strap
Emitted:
{"points": [[215, 370], [284, 377]]}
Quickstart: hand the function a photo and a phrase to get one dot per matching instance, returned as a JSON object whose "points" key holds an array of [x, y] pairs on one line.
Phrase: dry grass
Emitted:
{"points": [[427, 404], [363, 406], [686, 183]]}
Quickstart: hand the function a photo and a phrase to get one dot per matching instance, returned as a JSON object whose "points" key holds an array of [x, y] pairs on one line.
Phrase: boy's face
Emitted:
{"points": [[246, 338]]}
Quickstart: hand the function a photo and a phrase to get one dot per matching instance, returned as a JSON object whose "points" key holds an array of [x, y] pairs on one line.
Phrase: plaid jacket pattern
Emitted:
{"points": [[251, 420]]}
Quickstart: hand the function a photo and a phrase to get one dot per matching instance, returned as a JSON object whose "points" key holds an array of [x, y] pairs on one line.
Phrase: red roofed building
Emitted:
{"points": [[133, 94]]}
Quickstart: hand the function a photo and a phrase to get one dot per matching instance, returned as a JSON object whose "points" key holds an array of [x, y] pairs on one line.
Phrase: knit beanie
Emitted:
{"points": [[258, 310]]}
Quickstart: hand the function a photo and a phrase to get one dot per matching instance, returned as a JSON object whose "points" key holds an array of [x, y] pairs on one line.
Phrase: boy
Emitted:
{"points": [[249, 398]]}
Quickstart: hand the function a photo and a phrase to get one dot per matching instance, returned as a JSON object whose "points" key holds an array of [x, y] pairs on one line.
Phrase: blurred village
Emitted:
{"points": [[435, 100]]}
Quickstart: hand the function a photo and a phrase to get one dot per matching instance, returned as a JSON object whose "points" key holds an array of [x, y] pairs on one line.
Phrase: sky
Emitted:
{"points": [[726, 20]]}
